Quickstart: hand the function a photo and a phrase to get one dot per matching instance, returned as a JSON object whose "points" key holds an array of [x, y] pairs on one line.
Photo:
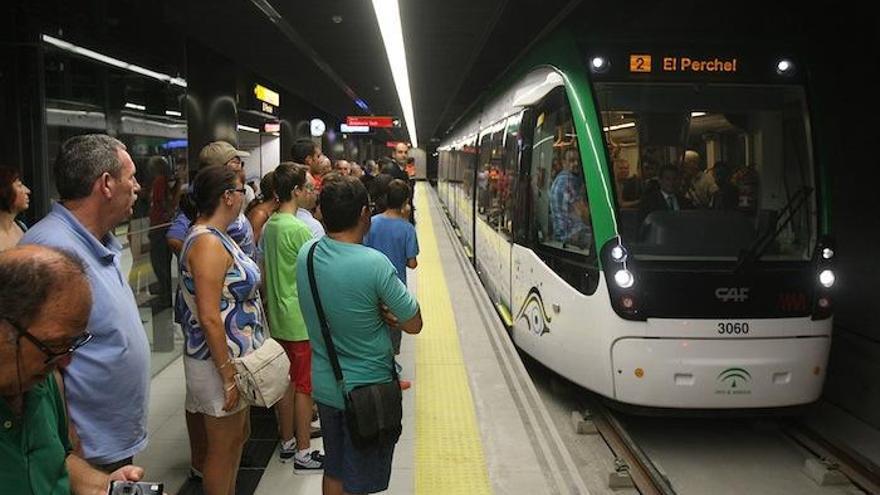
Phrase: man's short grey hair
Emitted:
{"points": [[81, 160], [28, 282]]}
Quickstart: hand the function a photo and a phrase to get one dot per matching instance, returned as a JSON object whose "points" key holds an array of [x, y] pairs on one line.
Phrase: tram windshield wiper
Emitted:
{"points": [[763, 242]]}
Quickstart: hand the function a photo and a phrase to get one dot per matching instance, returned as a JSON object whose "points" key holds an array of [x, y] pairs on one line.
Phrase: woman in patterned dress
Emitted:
{"points": [[223, 319]]}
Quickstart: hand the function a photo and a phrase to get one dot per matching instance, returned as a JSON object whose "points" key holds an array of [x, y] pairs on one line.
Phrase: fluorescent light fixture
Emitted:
{"points": [[698, 114], [619, 127], [135, 106], [173, 113], [388, 16], [352, 129], [361, 104], [115, 62], [248, 128]]}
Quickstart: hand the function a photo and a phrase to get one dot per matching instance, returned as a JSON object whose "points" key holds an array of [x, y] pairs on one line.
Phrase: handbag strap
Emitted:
{"points": [[325, 327]]}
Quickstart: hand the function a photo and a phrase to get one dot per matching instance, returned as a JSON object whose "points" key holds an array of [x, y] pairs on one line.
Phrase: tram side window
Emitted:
{"points": [[484, 196], [507, 176], [561, 228], [466, 154], [560, 211]]}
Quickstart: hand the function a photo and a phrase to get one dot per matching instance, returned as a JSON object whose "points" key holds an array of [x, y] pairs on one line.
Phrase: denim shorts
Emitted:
{"points": [[361, 471]]}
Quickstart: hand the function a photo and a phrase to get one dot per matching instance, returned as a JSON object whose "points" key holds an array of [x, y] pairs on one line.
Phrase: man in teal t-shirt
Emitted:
{"points": [[283, 237], [353, 282]]}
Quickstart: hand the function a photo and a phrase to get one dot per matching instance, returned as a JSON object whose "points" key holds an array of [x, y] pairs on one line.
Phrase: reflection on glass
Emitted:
{"points": [[701, 171], [145, 115]]}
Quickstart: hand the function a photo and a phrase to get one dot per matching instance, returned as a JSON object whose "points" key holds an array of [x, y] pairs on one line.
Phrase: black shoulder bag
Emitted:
{"points": [[373, 413]]}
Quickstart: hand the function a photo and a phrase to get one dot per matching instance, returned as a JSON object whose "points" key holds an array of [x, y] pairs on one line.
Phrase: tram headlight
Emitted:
{"points": [[785, 67], [618, 254], [624, 278], [827, 253], [599, 64], [826, 278]]}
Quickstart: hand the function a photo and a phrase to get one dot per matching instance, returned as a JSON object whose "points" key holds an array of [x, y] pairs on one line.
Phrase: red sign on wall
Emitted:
{"points": [[393, 144], [383, 122]]}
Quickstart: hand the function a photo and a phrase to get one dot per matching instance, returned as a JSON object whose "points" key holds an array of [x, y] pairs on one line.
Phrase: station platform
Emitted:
{"points": [[473, 421]]}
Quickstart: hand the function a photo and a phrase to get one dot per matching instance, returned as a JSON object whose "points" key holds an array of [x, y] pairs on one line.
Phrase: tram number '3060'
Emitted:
{"points": [[733, 328]]}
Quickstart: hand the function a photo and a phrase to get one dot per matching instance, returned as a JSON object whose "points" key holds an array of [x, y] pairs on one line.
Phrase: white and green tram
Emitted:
{"points": [[651, 221]]}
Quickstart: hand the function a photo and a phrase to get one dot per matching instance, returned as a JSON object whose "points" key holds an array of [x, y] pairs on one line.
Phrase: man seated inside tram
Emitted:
{"points": [[569, 211], [667, 197]]}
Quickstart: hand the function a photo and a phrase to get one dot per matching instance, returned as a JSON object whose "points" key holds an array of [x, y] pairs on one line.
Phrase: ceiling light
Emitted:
{"points": [[173, 113], [135, 106], [115, 62], [698, 114], [337, 19], [619, 127], [248, 128], [388, 17]]}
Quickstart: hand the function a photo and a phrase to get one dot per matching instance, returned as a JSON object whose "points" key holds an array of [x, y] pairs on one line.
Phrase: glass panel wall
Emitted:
{"points": [[84, 96]]}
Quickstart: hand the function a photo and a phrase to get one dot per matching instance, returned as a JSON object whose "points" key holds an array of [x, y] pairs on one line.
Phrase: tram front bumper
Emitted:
{"points": [[719, 373]]}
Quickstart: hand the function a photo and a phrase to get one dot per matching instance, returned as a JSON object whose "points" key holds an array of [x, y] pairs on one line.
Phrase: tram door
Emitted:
{"points": [[496, 180]]}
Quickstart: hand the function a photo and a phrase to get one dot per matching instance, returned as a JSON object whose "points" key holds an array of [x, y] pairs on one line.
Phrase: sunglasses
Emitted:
{"points": [[51, 355]]}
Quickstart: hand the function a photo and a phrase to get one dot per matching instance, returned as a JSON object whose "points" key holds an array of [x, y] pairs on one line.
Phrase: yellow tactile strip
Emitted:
{"points": [[449, 452]]}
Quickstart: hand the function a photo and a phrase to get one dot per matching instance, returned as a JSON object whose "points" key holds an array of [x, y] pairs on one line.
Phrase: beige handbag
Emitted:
{"points": [[262, 376]]}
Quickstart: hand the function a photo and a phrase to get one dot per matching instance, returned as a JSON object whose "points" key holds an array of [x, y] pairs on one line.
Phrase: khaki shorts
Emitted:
{"points": [[204, 389]]}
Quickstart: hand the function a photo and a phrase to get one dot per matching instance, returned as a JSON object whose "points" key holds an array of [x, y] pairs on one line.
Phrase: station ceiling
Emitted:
{"points": [[330, 52]]}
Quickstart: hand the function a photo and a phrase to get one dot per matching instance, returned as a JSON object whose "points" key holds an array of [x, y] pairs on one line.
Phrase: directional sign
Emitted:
{"points": [[383, 122]]}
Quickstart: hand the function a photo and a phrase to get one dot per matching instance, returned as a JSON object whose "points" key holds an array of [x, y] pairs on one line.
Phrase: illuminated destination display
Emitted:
{"points": [[688, 64], [642, 64]]}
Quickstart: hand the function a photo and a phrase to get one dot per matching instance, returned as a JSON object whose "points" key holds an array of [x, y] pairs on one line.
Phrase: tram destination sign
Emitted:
{"points": [[372, 121], [689, 64]]}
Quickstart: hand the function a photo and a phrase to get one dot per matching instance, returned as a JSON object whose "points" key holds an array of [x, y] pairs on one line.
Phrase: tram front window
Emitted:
{"points": [[702, 171]]}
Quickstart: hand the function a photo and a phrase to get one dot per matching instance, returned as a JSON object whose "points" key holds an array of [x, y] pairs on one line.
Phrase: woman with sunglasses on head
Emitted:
{"points": [[14, 199], [222, 320]]}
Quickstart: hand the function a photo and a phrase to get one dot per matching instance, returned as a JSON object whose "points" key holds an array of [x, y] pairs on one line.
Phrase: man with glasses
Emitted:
{"points": [[108, 386], [45, 300]]}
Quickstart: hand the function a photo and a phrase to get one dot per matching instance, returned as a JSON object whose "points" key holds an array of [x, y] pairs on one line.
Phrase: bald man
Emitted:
{"points": [[45, 301]]}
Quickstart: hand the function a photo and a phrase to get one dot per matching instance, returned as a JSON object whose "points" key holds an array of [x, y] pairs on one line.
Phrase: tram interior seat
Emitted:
{"points": [[696, 232]]}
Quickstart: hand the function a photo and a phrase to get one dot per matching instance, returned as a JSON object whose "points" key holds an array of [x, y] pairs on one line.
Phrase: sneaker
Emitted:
{"points": [[287, 451], [306, 462]]}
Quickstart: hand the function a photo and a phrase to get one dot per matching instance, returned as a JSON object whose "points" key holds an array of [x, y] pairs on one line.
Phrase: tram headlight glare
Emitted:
{"points": [[827, 253], [618, 254], [826, 278], [599, 64], [784, 67], [624, 278]]}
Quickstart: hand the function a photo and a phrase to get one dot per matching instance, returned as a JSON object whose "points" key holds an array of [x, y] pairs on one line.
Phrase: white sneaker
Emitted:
{"points": [[305, 462], [287, 451]]}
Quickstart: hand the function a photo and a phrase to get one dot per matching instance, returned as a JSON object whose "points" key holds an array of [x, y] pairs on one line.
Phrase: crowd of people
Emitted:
{"points": [[74, 357]]}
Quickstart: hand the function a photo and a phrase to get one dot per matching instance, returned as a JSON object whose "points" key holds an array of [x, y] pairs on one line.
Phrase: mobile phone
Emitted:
{"points": [[136, 488]]}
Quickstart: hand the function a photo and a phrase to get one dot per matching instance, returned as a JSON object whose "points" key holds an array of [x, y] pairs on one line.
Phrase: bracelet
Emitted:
{"points": [[227, 363], [229, 388]]}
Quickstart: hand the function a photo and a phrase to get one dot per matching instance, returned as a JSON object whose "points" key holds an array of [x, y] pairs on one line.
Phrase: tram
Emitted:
{"points": [[650, 220]]}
